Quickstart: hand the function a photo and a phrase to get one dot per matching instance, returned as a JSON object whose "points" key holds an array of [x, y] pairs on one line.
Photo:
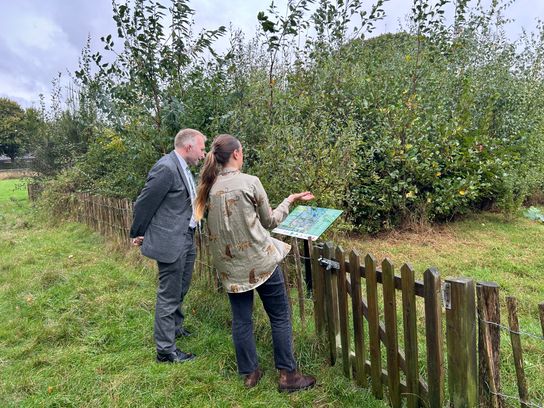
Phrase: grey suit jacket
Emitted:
{"points": [[163, 210]]}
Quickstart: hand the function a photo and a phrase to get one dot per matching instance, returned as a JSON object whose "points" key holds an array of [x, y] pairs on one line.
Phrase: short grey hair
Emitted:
{"points": [[186, 137]]}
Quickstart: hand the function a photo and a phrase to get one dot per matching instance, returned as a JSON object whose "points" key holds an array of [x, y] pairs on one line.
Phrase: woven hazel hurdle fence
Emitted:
{"points": [[111, 217], [34, 190], [347, 309]]}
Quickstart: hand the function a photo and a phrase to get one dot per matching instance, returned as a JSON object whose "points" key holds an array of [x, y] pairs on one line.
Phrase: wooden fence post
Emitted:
{"points": [[461, 341], [198, 239], [34, 191], [308, 265], [358, 317], [109, 217], [298, 279], [317, 279], [285, 271], [488, 344], [343, 311], [373, 326], [129, 216], [410, 335], [391, 337], [433, 334], [512, 304], [101, 215], [331, 302]]}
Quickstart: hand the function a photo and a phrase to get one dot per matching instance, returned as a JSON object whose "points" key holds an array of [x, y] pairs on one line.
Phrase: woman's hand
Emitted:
{"points": [[304, 196]]}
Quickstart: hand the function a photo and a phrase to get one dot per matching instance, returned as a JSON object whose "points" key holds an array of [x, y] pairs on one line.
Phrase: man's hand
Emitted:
{"points": [[137, 241], [304, 196]]}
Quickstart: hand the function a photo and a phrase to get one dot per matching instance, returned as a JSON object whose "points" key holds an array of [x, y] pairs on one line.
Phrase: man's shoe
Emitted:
{"points": [[183, 332], [252, 379], [176, 356], [291, 381]]}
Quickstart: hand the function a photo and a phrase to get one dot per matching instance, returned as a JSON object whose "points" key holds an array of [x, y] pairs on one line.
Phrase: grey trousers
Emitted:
{"points": [[174, 282]]}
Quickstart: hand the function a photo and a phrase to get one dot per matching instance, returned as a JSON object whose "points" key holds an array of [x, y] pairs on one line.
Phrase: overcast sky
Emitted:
{"points": [[40, 38]]}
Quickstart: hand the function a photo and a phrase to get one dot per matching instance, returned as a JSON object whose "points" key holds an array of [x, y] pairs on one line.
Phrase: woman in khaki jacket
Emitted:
{"points": [[247, 257]]}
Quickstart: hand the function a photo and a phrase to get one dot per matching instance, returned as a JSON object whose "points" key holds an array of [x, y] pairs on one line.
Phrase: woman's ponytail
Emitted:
{"points": [[217, 157], [209, 173]]}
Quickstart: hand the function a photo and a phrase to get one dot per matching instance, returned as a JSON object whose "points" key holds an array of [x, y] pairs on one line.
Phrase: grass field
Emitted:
{"points": [[76, 329], [77, 315]]}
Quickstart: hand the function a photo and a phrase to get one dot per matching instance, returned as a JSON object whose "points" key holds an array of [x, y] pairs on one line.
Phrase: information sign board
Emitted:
{"points": [[307, 222]]}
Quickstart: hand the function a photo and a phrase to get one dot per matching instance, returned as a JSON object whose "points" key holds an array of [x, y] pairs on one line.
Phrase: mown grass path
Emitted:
{"points": [[76, 322]]}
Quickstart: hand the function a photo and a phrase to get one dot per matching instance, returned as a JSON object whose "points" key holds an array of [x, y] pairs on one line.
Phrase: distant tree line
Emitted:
{"points": [[17, 126], [442, 118]]}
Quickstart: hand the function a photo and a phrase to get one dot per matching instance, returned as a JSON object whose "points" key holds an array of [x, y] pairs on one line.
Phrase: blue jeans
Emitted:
{"points": [[276, 305]]}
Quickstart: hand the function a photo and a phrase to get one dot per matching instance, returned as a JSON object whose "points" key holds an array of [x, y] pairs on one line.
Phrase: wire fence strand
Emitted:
{"points": [[511, 397], [507, 329]]}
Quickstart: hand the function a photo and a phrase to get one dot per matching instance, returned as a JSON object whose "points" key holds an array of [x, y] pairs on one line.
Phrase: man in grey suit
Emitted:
{"points": [[164, 226]]}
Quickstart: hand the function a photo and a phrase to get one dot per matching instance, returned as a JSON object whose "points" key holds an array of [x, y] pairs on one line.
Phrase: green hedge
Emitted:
{"points": [[417, 126]]}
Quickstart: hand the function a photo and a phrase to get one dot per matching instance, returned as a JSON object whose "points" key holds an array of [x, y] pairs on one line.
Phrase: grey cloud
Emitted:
{"points": [[27, 64]]}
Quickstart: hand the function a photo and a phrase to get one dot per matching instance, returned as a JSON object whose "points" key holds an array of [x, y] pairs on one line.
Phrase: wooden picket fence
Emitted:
{"points": [[112, 218], [335, 280], [469, 343]]}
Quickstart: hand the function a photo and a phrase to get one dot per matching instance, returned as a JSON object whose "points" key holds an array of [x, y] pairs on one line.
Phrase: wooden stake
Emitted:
{"points": [[513, 322], [298, 277]]}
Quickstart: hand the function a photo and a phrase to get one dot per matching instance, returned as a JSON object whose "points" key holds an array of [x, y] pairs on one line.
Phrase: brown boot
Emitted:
{"points": [[252, 379], [291, 381]]}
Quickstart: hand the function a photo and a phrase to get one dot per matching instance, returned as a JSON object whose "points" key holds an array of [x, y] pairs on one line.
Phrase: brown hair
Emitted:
{"points": [[217, 157]]}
